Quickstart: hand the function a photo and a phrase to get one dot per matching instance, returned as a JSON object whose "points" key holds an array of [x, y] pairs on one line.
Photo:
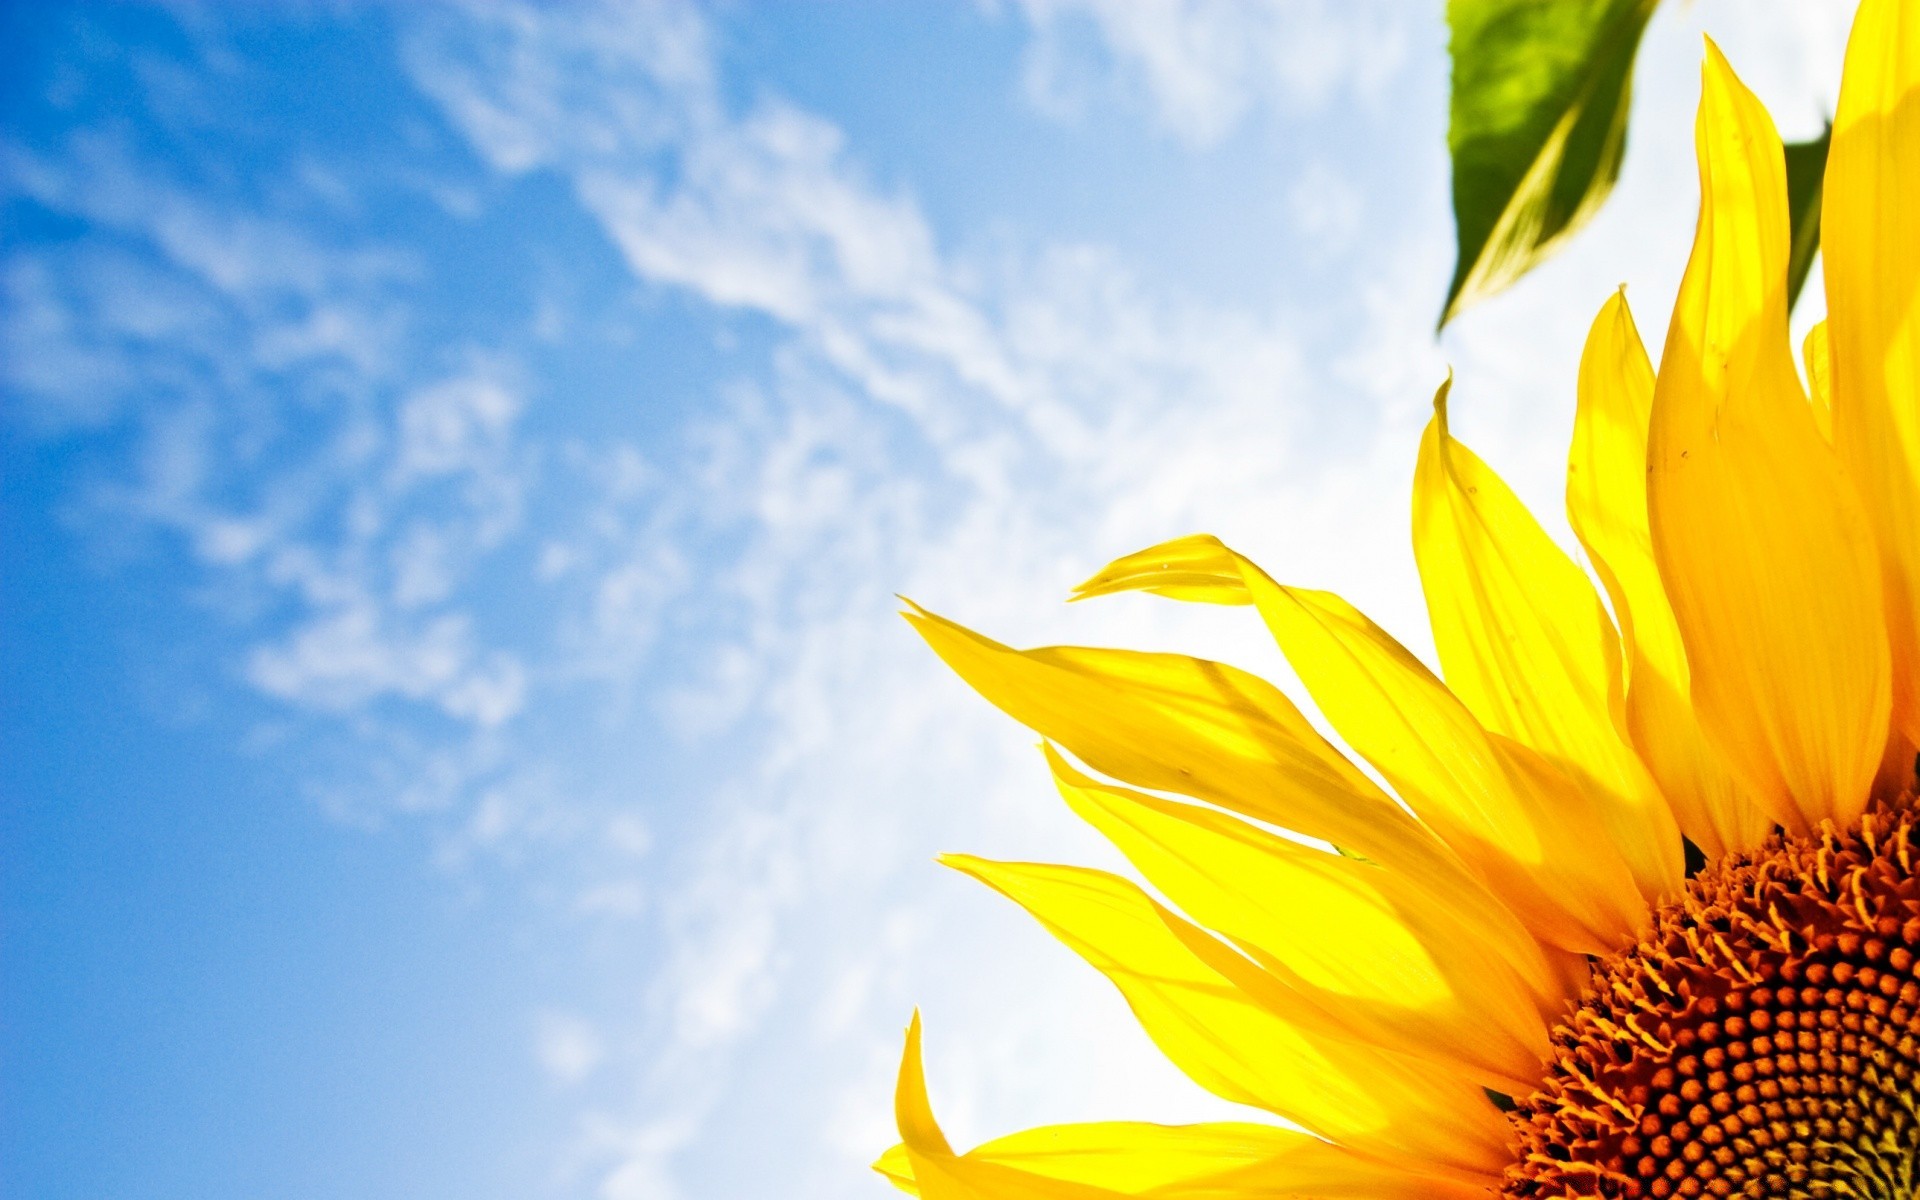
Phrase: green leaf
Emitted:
{"points": [[1538, 126], [1806, 175]]}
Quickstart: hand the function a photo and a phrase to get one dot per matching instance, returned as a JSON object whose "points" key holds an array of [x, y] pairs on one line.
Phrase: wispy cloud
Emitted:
{"points": [[963, 430], [1200, 67], [249, 389]]}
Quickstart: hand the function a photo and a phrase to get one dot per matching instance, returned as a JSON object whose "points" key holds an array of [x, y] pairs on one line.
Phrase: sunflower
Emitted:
{"points": [[1639, 916]]}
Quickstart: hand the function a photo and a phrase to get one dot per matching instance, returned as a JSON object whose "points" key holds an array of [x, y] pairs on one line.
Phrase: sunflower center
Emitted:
{"points": [[1763, 1040]]}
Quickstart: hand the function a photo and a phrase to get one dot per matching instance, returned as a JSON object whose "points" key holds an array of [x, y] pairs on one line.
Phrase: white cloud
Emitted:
{"points": [[568, 1046], [241, 381], [1327, 208], [1200, 66], [454, 425], [644, 1155], [973, 433], [345, 660], [624, 900]]}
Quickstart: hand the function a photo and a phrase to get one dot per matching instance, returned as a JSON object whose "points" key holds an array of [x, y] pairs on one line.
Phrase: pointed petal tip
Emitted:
{"points": [[930, 625], [895, 1167], [1086, 588], [913, 1115], [1716, 72], [1196, 567], [1441, 397]]}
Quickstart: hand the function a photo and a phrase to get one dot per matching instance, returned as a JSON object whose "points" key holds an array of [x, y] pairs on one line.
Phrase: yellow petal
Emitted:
{"points": [[1379, 959], [1607, 505], [1527, 830], [1220, 1161], [1131, 1157], [1199, 566], [1817, 352], [896, 1165], [1106, 1159], [1194, 568], [1326, 1172], [1763, 549], [925, 1165], [1178, 724], [912, 1112], [1870, 239], [1110, 1159], [1191, 995], [1525, 643]]}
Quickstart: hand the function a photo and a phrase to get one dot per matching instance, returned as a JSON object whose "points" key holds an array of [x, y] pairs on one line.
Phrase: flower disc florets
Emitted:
{"points": [[1763, 1040]]}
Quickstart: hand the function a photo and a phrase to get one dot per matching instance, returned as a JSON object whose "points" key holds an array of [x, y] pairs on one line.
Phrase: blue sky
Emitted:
{"points": [[458, 464]]}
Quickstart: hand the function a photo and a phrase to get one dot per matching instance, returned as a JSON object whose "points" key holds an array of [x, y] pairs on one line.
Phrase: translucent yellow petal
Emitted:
{"points": [[1497, 804], [1195, 568], [1528, 827], [925, 1165], [1224, 1161], [1179, 724], [1102, 1160], [896, 1166], [1817, 352], [1326, 1172], [1132, 1157], [951, 1177], [1607, 505], [1526, 644], [1870, 239], [1763, 548], [1379, 959], [1242, 1034], [912, 1112]]}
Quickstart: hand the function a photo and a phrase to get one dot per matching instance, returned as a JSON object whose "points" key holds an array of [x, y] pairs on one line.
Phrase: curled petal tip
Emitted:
{"points": [[1440, 399]]}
